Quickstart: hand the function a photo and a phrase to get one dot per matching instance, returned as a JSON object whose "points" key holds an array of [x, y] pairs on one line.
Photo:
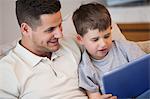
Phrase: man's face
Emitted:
{"points": [[97, 43], [45, 37]]}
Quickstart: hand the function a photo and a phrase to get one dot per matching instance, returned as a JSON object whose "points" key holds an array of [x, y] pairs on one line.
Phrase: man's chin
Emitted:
{"points": [[54, 49]]}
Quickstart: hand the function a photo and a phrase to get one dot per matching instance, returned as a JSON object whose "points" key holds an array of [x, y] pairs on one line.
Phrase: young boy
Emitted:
{"points": [[101, 54]]}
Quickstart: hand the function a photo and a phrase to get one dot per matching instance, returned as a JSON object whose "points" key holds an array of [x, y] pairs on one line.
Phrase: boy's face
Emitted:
{"points": [[97, 43]]}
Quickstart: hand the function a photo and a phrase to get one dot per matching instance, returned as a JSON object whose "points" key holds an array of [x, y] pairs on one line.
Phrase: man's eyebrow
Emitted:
{"points": [[50, 29]]}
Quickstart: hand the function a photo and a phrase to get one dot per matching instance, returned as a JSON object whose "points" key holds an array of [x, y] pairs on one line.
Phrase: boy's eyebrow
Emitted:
{"points": [[95, 37], [109, 33]]}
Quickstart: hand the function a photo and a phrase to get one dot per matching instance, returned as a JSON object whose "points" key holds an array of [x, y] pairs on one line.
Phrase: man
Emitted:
{"points": [[43, 65]]}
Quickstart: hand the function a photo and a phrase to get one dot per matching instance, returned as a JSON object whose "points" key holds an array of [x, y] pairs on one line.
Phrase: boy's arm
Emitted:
{"points": [[97, 95]]}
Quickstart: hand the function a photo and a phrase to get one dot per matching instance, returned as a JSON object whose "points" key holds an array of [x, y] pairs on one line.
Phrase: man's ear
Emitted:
{"points": [[25, 29], [79, 39]]}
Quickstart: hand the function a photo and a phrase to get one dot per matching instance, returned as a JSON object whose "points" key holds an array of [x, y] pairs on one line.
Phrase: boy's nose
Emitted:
{"points": [[102, 43]]}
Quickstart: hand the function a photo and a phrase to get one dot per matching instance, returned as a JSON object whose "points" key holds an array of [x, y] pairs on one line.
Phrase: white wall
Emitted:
{"points": [[137, 14], [9, 29], [0, 22], [68, 6]]}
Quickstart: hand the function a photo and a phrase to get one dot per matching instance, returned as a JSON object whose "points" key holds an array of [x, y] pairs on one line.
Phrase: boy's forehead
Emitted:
{"points": [[91, 31], [96, 32]]}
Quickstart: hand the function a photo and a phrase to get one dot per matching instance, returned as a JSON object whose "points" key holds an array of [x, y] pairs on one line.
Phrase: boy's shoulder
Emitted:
{"points": [[124, 44], [129, 49]]}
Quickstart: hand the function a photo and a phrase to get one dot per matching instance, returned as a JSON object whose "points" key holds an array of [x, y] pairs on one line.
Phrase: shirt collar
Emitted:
{"points": [[31, 58]]}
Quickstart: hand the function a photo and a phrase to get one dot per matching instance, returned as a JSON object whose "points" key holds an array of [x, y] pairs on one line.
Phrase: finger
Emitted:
{"points": [[105, 96], [113, 97]]}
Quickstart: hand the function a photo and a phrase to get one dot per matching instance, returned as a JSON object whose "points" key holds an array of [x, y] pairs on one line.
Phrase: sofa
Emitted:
{"points": [[69, 30]]}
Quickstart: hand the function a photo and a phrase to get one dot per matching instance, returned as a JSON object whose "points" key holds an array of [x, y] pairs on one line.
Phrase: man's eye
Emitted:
{"points": [[50, 29]]}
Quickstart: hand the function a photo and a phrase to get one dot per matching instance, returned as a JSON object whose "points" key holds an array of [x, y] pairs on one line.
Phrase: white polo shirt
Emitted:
{"points": [[24, 75]]}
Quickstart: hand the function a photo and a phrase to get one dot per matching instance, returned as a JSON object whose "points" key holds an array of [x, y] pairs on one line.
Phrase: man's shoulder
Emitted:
{"points": [[69, 45], [9, 59]]}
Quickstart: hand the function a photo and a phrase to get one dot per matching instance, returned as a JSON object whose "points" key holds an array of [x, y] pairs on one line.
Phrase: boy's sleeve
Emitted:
{"points": [[87, 80], [132, 50]]}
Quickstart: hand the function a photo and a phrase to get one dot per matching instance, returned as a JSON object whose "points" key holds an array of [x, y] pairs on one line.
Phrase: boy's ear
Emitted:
{"points": [[111, 27], [79, 39]]}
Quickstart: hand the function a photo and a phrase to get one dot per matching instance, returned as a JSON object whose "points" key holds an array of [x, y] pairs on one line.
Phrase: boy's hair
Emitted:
{"points": [[91, 16], [29, 11]]}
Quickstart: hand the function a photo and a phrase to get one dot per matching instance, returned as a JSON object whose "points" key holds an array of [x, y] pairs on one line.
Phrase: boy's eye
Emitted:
{"points": [[95, 39], [107, 36]]}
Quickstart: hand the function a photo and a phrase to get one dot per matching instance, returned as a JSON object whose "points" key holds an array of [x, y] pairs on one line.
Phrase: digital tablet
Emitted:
{"points": [[130, 80]]}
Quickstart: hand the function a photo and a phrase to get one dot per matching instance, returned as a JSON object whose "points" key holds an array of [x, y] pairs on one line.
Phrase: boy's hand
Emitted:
{"points": [[107, 96], [99, 96]]}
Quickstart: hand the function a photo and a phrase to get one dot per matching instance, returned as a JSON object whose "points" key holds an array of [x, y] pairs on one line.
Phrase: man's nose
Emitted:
{"points": [[58, 32]]}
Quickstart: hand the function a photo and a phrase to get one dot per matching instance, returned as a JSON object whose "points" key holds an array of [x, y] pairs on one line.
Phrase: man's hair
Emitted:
{"points": [[91, 16], [29, 11]]}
